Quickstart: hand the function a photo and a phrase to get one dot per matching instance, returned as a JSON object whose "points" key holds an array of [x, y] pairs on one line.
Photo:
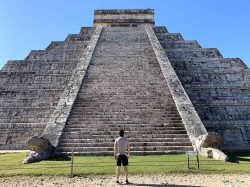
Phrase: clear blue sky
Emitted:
{"points": [[32, 24]]}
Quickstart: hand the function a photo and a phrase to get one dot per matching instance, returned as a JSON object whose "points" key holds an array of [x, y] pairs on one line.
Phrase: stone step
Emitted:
{"points": [[221, 101], [78, 37], [136, 148], [237, 73], [148, 128], [214, 83], [180, 44], [25, 119], [128, 135], [28, 66], [160, 29], [66, 46], [180, 54], [28, 103], [121, 99], [227, 123], [10, 95], [15, 135], [169, 37], [124, 117], [139, 140], [132, 132], [111, 153], [86, 30], [130, 51], [121, 120], [132, 144], [17, 77], [117, 108], [206, 63], [132, 125], [126, 122], [108, 112], [217, 85], [219, 92], [55, 55], [122, 104], [31, 87]]}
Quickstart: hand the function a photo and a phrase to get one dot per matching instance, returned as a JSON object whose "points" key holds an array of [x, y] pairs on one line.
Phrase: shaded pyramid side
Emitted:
{"points": [[218, 87]]}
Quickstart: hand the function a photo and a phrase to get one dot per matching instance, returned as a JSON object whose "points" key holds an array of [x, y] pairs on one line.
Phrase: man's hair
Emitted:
{"points": [[121, 132]]}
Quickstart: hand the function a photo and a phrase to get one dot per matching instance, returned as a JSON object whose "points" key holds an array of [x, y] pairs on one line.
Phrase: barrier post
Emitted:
{"points": [[72, 163]]}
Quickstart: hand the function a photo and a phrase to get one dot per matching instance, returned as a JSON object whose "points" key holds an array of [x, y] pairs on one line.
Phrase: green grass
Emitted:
{"points": [[11, 165]]}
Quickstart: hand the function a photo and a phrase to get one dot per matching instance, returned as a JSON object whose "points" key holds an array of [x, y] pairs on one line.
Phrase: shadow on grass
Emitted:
{"points": [[237, 157]]}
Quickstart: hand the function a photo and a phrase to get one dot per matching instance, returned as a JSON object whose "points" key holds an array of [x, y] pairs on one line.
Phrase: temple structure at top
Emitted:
{"points": [[124, 18]]}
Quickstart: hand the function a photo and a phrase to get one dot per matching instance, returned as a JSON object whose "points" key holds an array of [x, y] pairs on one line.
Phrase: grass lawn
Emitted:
{"points": [[11, 165]]}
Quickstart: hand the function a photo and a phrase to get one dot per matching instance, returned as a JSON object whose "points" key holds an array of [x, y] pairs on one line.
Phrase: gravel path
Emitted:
{"points": [[140, 180]]}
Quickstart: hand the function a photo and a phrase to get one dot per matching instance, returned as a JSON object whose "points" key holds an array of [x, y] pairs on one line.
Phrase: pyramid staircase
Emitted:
{"points": [[124, 88]]}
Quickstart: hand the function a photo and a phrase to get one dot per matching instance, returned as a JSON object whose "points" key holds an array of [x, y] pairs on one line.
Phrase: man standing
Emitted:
{"points": [[121, 156]]}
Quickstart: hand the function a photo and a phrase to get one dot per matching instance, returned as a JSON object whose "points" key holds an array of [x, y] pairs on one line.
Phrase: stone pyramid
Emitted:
{"points": [[124, 73]]}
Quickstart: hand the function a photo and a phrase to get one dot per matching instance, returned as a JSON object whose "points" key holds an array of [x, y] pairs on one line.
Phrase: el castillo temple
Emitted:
{"points": [[124, 73]]}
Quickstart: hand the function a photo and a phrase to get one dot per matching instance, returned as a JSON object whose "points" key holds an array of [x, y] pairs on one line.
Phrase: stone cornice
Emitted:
{"points": [[124, 21], [128, 11]]}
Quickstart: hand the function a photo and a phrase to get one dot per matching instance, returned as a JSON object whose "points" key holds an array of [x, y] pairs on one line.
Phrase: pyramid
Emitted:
{"points": [[124, 73]]}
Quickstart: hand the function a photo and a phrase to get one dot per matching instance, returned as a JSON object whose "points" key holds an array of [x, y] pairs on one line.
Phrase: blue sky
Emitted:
{"points": [[32, 24]]}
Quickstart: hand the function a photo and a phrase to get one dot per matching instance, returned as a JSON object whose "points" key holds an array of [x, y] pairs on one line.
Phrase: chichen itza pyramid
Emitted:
{"points": [[124, 72]]}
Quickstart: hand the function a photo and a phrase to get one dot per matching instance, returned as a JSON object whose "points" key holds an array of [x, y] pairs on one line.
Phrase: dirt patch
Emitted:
{"points": [[140, 180]]}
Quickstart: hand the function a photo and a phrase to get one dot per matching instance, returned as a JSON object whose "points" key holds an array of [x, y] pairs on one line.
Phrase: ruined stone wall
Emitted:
{"points": [[218, 87]]}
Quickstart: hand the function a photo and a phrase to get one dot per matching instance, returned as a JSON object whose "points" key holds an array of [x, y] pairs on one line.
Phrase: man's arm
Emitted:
{"points": [[128, 147], [115, 151]]}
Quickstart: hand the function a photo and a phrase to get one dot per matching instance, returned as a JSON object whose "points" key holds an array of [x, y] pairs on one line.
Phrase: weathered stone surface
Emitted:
{"points": [[124, 86], [40, 149], [36, 143], [121, 18], [217, 87], [60, 115], [207, 146], [30, 89], [191, 120]]}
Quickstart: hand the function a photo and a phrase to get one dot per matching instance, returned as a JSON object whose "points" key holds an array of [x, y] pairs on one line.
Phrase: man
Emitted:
{"points": [[120, 146]]}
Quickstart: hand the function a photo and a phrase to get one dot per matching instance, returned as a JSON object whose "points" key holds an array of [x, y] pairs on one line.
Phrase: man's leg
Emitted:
{"points": [[117, 172], [126, 172]]}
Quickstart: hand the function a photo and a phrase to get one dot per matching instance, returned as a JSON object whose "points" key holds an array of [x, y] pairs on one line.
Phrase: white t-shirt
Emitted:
{"points": [[121, 144]]}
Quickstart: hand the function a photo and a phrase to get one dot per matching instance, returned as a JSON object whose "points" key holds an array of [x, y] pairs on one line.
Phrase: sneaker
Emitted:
{"points": [[126, 181], [117, 182]]}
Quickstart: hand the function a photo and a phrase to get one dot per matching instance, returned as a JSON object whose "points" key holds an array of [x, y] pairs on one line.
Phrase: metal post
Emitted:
{"points": [[72, 163], [198, 162]]}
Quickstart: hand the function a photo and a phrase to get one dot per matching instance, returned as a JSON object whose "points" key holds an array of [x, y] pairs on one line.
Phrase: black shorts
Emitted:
{"points": [[122, 159]]}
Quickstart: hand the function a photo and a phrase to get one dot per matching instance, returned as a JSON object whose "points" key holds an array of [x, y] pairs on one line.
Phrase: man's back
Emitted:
{"points": [[121, 143]]}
